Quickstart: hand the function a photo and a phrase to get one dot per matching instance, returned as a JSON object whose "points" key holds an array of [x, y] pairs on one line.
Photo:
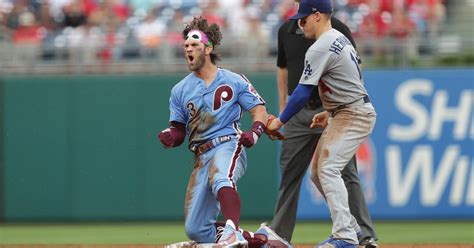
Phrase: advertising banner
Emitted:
{"points": [[418, 163]]}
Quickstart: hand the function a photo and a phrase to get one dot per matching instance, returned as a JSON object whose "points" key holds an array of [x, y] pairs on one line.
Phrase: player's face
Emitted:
{"points": [[194, 52], [306, 24]]}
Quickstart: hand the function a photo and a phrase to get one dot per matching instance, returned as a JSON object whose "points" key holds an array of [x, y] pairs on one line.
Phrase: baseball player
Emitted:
{"points": [[331, 65], [301, 140], [208, 104]]}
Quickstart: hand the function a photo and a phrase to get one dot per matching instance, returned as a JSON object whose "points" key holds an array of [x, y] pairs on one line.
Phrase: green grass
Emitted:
{"points": [[164, 232]]}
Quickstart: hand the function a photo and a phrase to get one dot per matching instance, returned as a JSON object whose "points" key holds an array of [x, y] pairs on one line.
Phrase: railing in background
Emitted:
{"points": [[36, 59]]}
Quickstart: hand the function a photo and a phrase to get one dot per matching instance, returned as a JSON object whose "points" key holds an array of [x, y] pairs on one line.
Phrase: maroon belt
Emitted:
{"points": [[208, 145]]}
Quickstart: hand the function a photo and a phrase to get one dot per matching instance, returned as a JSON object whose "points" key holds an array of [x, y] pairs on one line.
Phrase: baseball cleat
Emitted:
{"points": [[255, 240], [231, 238], [184, 244], [274, 240], [369, 242]]}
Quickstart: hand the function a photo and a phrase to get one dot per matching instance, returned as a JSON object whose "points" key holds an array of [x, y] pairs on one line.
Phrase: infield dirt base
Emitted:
{"points": [[295, 246]]}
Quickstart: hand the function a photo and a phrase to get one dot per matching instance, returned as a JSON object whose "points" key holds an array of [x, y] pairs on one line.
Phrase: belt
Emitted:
{"points": [[365, 99], [209, 144]]}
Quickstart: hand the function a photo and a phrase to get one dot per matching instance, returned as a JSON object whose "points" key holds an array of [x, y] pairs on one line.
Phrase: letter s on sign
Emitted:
{"points": [[406, 104]]}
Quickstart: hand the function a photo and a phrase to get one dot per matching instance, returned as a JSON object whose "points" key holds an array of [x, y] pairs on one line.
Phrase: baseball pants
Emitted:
{"points": [[346, 130], [296, 154], [219, 167]]}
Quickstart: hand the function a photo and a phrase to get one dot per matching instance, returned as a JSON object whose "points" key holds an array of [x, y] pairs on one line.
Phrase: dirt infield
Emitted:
{"points": [[295, 246]]}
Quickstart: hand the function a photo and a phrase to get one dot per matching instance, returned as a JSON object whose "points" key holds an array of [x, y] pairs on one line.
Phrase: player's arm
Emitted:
{"points": [[175, 134], [282, 68], [259, 117], [296, 102], [282, 79], [316, 62]]}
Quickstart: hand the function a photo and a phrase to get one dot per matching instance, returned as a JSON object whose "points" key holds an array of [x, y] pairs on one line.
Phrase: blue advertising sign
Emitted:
{"points": [[418, 162]]}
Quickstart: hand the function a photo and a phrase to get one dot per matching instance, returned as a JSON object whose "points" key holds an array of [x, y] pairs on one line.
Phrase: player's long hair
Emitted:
{"points": [[212, 31]]}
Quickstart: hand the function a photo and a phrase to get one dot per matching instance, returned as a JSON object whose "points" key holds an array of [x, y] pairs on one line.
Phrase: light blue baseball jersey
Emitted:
{"points": [[213, 111]]}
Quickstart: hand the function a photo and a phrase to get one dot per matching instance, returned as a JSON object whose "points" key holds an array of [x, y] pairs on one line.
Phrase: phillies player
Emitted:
{"points": [[207, 104], [332, 65]]}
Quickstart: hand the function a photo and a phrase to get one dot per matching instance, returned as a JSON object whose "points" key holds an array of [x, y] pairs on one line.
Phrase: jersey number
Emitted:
{"points": [[307, 68], [355, 58], [222, 94]]}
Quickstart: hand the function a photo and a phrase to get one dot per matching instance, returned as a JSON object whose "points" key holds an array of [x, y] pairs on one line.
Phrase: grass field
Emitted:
{"points": [[400, 232]]}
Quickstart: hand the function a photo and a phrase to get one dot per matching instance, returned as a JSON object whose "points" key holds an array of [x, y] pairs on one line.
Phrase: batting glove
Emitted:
{"points": [[173, 136], [249, 138]]}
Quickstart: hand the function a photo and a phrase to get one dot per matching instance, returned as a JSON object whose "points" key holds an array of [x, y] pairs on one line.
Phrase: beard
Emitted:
{"points": [[197, 63]]}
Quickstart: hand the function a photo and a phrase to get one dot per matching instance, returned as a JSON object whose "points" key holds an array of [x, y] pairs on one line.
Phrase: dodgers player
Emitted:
{"points": [[331, 64], [208, 104]]}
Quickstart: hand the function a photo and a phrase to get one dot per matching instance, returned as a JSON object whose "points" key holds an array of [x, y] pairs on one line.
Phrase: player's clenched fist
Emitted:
{"points": [[320, 120], [274, 123], [273, 134], [174, 135], [249, 138]]}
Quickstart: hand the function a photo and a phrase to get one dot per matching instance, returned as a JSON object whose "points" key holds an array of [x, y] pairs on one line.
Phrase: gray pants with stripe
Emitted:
{"points": [[296, 155]]}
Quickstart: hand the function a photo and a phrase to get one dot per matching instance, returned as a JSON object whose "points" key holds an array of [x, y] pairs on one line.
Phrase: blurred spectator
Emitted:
{"points": [[370, 34], [429, 14], [254, 40], [174, 37], [85, 42], [149, 28], [26, 38], [74, 14], [150, 33], [210, 12], [404, 33]]}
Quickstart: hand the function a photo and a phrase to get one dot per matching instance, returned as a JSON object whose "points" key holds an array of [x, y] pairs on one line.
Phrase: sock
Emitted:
{"points": [[230, 204]]}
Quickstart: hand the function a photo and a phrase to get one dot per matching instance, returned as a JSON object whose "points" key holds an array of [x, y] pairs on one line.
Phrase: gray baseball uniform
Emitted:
{"points": [[331, 63]]}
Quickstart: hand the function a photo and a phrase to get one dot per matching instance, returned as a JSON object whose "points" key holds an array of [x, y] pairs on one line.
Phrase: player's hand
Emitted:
{"points": [[273, 123], [249, 138], [166, 138], [320, 120], [273, 135]]}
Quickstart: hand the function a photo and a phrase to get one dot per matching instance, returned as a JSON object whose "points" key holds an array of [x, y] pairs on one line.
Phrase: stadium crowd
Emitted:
{"points": [[107, 30]]}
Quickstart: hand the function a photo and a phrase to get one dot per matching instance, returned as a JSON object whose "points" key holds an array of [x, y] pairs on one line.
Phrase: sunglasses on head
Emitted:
{"points": [[199, 36]]}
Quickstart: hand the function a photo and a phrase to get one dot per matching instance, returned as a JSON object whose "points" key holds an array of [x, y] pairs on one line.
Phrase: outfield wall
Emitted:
{"points": [[85, 148]]}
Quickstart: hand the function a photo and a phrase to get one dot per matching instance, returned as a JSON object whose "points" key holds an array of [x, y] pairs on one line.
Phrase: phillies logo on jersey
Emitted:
{"points": [[223, 93]]}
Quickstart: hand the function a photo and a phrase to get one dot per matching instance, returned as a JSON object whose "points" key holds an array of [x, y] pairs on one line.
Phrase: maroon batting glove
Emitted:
{"points": [[249, 138], [174, 135]]}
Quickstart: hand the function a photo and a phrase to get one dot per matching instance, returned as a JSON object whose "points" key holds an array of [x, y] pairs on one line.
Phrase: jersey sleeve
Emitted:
{"points": [[315, 64], [248, 96], [177, 112]]}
